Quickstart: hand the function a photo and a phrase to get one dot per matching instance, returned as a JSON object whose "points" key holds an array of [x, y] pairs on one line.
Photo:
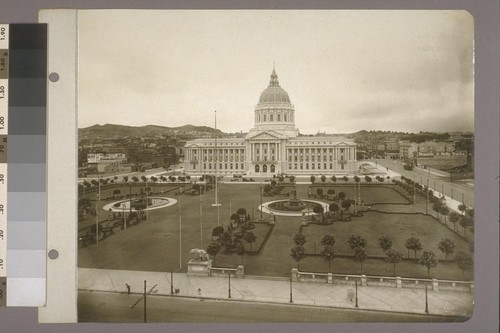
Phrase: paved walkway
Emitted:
{"points": [[277, 290]]}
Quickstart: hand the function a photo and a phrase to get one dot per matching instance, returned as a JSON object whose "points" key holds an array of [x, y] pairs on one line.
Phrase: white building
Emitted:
{"points": [[272, 146]]}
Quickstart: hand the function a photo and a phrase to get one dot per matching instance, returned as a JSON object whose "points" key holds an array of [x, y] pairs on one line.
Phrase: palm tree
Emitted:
{"points": [[393, 256]]}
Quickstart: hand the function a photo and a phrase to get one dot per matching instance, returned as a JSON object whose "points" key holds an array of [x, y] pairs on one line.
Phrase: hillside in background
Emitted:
{"points": [[121, 131]]}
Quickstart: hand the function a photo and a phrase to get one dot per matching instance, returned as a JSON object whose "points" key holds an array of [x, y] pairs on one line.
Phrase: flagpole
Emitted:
{"points": [[216, 159]]}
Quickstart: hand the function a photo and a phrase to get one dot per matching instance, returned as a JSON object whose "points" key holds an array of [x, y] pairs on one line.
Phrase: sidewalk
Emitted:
{"points": [[277, 290]]}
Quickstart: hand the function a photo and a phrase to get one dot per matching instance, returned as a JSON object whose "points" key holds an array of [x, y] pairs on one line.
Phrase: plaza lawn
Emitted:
{"points": [[156, 245]]}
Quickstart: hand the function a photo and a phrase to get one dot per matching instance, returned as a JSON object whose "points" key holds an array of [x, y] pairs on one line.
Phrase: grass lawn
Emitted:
{"points": [[155, 245]]}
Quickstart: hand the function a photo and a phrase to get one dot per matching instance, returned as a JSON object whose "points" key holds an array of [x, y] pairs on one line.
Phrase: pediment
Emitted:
{"points": [[266, 135]]}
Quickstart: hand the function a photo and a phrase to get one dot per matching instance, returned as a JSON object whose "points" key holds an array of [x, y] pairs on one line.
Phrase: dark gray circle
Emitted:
{"points": [[53, 254], [53, 77]]}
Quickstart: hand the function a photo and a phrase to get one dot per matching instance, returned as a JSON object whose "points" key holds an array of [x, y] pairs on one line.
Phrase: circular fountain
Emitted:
{"points": [[139, 204]]}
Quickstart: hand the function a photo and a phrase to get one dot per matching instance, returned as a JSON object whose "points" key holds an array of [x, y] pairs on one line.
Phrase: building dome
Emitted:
{"points": [[275, 112], [274, 93]]}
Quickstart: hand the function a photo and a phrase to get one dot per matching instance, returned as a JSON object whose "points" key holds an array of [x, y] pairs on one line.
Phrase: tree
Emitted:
{"points": [[319, 192], [323, 178], [341, 195], [356, 241], [454, 218], [356, 179], [345, 178], [116, 192], [333, 207], [462, 207], [217, 231], [445, 211], [330, 191], [318, 209], [241, 212], [334, 179], [346, 204], [360, 255], [385, 243], [393, 256], [429, 260], [292, 179], [144, 179], [328, 253], [226, 239], [273, 183], [299, 239], [413, 244], [368, 179], [213, 249], [464, 261], [437, 207], [312, 179], [250, 238], [447, 246], [297, 254], [465, 222], [154, 179], [328, 240], [135, 179]]}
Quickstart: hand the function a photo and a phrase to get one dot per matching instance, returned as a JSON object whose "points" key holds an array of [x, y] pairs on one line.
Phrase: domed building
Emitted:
{"points": [[272, 146]]}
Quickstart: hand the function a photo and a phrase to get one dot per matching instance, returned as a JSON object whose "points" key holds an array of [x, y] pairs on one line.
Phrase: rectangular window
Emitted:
{"points": [[331, 166], [312, 166], [301, 166], [236, 165], [324, 166], [225, 165], [307, 166], [319, 166], [279, 117], [271, 117], [220, 166], [295, 166], [210, 165], [342, 166], [204, 165], [242, 166], [231, 166]]}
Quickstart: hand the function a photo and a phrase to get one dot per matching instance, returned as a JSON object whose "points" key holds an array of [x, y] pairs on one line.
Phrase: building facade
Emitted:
{"points": [[272, 146]]}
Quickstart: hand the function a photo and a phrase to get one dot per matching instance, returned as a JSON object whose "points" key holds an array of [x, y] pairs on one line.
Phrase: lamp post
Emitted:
{"points": [[229, 284], [356, 286], [180, 234], [291, 295], [426, 303], [144, 300], [97, 208], [171, 283]]}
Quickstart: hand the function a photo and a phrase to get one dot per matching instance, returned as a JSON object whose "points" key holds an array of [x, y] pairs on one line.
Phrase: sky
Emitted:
{"points": [[344, 70]]}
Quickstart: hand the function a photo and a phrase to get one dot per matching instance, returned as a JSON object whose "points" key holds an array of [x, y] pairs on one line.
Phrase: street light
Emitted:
{"points": [[229, 284], [426, 303], [291, 296], [356, 286]]}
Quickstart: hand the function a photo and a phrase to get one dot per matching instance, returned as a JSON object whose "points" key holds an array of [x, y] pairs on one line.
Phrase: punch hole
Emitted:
{"points": [[53, 77], [53, 254]]}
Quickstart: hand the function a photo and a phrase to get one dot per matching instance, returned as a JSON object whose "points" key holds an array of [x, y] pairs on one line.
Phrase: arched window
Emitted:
{"points": [[257, 168], [265, 118], [264, 168], [284, 116], [272, 168], [271, 117], [279, 117]]}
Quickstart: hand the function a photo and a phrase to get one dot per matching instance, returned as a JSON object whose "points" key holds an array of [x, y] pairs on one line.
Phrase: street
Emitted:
{"points": [[115, 307], [459, 191]]}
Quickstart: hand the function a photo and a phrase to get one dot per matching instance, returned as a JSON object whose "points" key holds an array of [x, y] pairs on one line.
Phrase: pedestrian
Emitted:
{"points": [[128, 288], [274, 218], [199, 291], [350, 295]]}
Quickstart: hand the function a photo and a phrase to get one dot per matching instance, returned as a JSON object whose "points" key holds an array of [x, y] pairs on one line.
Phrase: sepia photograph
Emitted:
{"points": [[275, 166]]}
